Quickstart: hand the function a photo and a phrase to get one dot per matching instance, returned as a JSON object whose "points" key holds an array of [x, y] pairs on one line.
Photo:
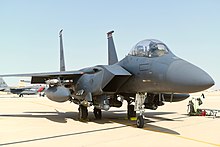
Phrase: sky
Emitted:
{"points": [[29, 39]]}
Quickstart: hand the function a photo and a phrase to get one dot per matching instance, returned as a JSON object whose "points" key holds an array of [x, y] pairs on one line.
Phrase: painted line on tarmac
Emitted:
{"points": [[179, 136], [183, 137], [62, 135], [192, 139], [174, 135]]}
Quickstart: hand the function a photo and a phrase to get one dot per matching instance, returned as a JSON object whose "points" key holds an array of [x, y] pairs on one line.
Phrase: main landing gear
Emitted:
{"points": [[83, 113], [98, 113]]}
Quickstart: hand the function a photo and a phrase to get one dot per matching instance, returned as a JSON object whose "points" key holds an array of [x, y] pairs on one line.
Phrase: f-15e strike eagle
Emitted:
{"points": [[148, 76]]}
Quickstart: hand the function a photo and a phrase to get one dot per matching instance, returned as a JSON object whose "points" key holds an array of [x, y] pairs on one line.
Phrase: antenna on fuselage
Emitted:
{"points": [[112, 55], [62, 62]]}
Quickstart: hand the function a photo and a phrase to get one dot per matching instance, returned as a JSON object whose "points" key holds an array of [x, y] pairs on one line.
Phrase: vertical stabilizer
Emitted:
{"points": [[112, 56], [3, 85], [62, 62]]}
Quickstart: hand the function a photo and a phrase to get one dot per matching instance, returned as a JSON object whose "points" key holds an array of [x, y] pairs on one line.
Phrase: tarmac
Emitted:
{"points": [[36, 121]]}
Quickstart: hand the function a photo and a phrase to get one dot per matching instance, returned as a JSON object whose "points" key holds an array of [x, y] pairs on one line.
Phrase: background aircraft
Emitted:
{"points": [[22, 88], [148, 76], [3, 85]]}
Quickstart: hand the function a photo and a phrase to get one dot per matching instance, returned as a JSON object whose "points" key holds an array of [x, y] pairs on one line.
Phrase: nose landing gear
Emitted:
{"points": [[139, 106]]}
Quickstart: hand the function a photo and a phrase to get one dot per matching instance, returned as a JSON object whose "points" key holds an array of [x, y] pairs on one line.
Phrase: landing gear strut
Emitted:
{"points": [[98, 113], [139, 106], [21, 95], [83, 113]]}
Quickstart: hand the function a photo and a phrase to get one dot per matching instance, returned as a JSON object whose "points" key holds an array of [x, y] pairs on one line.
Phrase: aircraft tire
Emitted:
{"points": [[131, 112], [98, 113], [140, 122], [83, 113]]}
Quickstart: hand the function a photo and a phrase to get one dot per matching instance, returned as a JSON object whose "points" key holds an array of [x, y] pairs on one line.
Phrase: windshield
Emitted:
{"points": [[149, 48]]}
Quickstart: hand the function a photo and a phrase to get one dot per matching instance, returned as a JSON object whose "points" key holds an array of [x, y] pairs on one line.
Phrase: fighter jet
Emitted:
{"points": [[22, 90], [3, 85], [146, 78], [28, 90]]}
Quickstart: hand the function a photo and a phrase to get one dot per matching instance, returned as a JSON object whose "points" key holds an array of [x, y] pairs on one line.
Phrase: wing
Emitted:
{"points": [[69, 75], [42, 77]]}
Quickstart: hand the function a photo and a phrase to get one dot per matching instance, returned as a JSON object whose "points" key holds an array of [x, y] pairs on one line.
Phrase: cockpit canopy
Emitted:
{"points": [[149, 48]]}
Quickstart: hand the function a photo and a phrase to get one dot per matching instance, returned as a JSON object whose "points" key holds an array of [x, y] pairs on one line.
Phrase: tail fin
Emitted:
{"points": [[62, 62], [112, 55], [2, 83], [22, 84]]}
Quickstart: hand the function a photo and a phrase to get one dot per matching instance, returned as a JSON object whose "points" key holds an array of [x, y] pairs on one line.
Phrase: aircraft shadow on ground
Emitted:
{"points": [[151, 117], [59, 117], [118, 116]]}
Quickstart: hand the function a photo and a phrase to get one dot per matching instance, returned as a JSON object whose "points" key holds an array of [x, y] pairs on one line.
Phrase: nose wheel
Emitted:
{"points": [[140, 121]]}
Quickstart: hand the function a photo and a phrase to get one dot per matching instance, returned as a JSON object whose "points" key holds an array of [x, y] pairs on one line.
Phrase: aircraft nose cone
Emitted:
{"points": [[185, 77]]}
